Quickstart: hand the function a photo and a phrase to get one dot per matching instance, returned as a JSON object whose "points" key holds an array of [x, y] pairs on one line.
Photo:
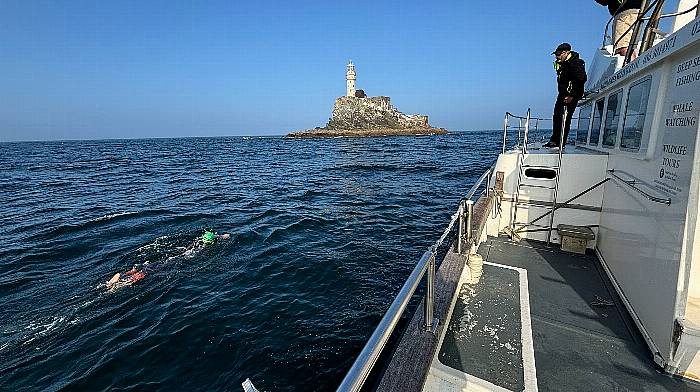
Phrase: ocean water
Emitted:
{"points": [[323, 234]]}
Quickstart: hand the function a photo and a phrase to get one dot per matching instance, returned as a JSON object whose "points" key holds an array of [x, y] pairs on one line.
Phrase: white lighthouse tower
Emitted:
{"points": [[350, 79]]}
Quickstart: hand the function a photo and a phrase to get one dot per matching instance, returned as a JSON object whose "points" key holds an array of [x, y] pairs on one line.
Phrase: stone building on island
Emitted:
{"points": [[355, 114]]}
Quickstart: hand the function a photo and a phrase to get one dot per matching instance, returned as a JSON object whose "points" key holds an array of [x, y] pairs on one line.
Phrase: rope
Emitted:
{"points": [[438, 243]]}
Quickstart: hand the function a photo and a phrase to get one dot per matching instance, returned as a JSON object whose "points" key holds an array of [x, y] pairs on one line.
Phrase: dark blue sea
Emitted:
{"points": [[323, 234]]}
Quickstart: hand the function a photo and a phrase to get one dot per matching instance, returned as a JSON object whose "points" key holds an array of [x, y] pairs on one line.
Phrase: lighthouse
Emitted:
{"points": [[350, 79]]}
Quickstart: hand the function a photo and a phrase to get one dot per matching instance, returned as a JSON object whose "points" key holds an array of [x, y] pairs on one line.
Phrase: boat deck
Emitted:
{"points": [[542, 319]]}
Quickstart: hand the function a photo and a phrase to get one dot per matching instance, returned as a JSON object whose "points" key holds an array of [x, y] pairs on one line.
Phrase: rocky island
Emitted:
{"points": [[358, 115]]}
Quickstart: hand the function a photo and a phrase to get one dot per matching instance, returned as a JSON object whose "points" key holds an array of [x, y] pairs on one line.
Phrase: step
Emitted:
{"points": [[537, 203], [542, 166], [537, 186], [531, 225]]}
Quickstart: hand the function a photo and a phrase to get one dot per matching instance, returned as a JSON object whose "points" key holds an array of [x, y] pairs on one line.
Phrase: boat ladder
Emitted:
{"points": [[516, 227]]}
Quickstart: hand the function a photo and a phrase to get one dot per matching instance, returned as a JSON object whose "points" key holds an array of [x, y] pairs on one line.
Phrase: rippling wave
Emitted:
{"points": [[324, 232]]}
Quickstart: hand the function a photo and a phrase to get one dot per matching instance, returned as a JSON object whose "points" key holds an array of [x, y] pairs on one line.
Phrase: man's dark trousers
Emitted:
{"points": [[558, 115]]}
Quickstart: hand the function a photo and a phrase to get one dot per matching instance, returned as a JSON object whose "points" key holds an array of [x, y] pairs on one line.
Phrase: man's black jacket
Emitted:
{"points": [[571, 75], [617, 6]]}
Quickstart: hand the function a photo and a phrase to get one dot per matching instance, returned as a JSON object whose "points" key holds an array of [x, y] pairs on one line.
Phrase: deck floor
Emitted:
{"points": [[583, 337]]}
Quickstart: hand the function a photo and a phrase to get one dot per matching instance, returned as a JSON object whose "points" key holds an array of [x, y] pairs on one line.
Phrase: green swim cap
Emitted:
{"points": [[208, 237]]}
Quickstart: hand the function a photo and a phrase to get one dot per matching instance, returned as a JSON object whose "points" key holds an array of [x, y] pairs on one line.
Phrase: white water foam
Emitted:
{"points": [[39, 329], [112, 216], [159, 242]]}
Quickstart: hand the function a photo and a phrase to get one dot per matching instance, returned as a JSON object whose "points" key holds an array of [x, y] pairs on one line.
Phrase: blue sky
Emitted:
{"points": [[134, 69]]}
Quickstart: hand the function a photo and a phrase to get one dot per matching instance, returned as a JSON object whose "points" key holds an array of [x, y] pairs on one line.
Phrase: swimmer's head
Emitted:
{"points": [[208, 237]]}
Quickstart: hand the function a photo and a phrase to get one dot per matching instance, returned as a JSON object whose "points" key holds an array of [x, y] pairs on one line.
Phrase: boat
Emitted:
{"points": [[575, 268]]}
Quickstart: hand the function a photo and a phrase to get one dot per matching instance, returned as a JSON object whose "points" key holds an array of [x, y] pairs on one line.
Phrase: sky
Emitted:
{"points": [[140, 69]]}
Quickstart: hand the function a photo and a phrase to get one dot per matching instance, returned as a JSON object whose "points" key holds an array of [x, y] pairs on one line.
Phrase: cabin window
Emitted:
{"points": [[612, 119], [635, 114], [597, 116], [584, 121]]}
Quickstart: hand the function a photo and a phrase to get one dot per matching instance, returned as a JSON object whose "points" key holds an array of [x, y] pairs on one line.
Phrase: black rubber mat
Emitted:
{"points": [[483, 338], [565, 287], [583, 337]]}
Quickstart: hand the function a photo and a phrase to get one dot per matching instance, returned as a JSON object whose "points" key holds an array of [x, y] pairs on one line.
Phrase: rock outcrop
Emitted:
{"points": [[371, 116]]}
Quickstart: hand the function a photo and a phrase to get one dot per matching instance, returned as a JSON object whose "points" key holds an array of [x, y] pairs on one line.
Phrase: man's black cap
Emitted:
{"points": [[562, 48]]}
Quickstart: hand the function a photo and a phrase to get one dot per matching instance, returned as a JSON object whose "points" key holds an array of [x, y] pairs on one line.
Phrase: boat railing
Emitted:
{"points": [[651, 29], [640, 19], [357, 375], [695, 8], [632, 183], [523, 128], [525, 125]]}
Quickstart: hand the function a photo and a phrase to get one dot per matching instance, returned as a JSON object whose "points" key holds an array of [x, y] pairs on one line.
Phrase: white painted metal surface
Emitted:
{"points": [[682, 20], [603, 65], [648, 248], [580, 170], [642, 242]]}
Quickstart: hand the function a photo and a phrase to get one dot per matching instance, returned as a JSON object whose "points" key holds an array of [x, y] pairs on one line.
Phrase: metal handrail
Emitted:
{"points": [[607, 26], [643, 18], [646, 18], [636, 27], [520, 127], [632, 183], [562, 144], [527, 130], [477, 184], [509, 114], [650, 29], [359, 371], [356, 376], [560, 205], [652, 23], [678, 13], [639, 19], [467, 203]]}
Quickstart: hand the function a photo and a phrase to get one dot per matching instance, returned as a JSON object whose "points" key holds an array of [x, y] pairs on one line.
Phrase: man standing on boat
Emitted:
{"points": [[571, 75], [625, 13]]}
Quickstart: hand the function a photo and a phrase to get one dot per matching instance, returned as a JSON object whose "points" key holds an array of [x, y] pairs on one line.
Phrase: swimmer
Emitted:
{"points": [[127, 279], [209, 237], [138, 271]]}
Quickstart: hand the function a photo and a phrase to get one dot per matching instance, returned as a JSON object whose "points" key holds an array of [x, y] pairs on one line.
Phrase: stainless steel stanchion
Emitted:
{"points": [[430, 295], [460, 227], [488, 185], [470, 214]]}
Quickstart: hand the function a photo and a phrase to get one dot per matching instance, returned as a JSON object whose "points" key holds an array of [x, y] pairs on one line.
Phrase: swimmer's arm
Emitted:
{"points": [[116, 282], [114, 279]]}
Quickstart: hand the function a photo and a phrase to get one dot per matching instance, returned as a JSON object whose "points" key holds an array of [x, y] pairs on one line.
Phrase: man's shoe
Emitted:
{"points": [[550, 145]]}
